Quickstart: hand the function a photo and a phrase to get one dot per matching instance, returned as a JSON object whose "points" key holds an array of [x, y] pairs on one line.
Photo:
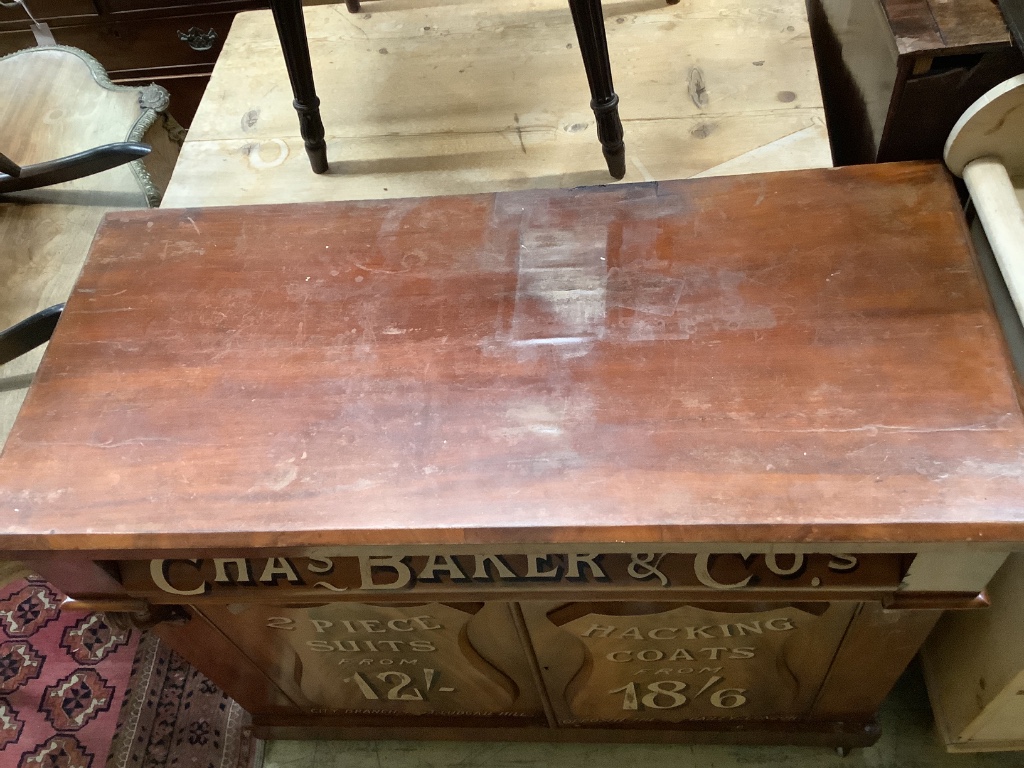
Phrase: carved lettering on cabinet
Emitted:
{"points": [[397, 573], [456, 658], [605, 662]]}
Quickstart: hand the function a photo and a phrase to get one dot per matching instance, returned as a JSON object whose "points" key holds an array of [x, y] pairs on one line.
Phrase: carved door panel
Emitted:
{"points": [[427, 658], [656, 662]]}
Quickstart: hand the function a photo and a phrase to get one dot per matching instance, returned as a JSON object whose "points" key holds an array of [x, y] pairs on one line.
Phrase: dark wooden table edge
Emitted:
{"points": [[866, 169], [865, 537]]}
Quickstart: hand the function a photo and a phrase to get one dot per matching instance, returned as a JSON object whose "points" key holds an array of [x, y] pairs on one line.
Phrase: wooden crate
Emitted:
{"points": [[896, 74], [974, 668]]}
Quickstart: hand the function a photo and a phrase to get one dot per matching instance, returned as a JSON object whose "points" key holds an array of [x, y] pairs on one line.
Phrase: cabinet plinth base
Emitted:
{"points": [[847, 734]]}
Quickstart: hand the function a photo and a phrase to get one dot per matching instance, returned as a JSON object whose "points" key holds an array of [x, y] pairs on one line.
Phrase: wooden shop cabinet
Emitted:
{"points": [[683, 461], [897, 74], [173, 43], [467, 642]]}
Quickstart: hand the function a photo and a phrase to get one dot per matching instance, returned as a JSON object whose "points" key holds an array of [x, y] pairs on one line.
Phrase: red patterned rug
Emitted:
{"points": [[62, 676], [174, 716], [75, 693]]}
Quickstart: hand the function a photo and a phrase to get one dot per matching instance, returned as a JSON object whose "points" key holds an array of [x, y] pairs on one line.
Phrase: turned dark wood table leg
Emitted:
{"points": [[291, 30], [589, 21]]}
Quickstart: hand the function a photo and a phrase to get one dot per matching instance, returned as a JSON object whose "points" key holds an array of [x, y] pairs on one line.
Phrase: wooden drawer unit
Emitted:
{"points": [[178, 6], [896, 74], [50, 11], [137, 46], [173, 42]]}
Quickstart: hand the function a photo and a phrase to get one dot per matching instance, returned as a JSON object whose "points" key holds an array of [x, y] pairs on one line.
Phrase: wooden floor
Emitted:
{"points": [[423, 97]]}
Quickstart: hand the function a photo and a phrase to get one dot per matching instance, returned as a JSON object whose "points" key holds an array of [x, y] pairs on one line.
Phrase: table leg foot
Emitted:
{"points": [[317, 157], [353, 5], [609, 133], [311, 127]]}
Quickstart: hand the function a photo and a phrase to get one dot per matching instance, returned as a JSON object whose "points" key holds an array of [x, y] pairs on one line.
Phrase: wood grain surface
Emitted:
{"points": [[960, 26], [800, 357]]}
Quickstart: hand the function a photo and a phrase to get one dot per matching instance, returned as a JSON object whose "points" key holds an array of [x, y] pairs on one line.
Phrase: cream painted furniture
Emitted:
{"points": [[974, 664], [986, 148], [974, 668], [424, 97]]}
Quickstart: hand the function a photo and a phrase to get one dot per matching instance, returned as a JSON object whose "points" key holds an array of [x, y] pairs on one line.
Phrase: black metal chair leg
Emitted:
{"points": [[589, 22], [353, 5], [29, 333], [291, 30]]}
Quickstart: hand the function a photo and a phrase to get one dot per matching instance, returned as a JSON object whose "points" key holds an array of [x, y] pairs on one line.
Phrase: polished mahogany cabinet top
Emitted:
{"points": [[792, 357]]}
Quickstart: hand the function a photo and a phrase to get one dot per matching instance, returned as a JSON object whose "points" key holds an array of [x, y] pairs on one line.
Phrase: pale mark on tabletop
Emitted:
{"points": [[553, 340], [874, 429], [132, 441], [378, 271], [284, 475]]}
